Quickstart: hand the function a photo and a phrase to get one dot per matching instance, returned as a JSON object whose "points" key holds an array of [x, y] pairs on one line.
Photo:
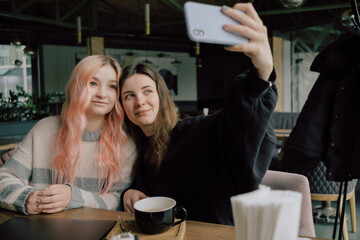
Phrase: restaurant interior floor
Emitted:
{"points": [[325, 230]]}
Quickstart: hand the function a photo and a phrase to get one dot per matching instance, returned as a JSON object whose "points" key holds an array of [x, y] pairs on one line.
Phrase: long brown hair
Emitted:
{"points": [[165, 121]]}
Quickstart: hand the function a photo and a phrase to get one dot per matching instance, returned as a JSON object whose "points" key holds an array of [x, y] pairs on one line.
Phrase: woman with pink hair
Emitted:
{"points": [[81, 158]]}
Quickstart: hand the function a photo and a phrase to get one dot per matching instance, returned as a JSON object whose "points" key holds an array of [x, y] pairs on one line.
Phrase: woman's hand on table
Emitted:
{"points": [[6, 156], [131, 196], [54, 198], [32, 207], [252, 27]]}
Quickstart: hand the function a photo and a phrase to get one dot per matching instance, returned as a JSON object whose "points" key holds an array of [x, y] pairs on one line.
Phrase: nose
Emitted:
{"points": [[140, 100], [101, 92]]}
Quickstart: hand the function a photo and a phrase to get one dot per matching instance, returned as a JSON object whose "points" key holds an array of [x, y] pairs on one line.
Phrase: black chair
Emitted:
{"points": [[327, 191]]}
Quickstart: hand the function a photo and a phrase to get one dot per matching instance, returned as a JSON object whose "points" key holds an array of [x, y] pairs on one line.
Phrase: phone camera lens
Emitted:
{"points": [[198, 32]]}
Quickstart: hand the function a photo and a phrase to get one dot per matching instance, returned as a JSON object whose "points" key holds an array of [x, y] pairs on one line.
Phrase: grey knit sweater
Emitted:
{"points": [[31, 162]]}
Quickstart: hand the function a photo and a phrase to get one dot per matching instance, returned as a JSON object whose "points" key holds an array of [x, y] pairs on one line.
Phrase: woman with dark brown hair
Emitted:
{"points": [[203, 161], [166, 118]]}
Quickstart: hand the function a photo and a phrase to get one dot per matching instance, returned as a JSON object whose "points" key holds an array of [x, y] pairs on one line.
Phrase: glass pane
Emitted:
{"points": [[15, 69], [10, 80], [29, 79]]}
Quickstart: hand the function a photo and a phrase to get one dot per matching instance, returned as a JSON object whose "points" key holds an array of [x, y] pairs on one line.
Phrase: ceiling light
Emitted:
{"points": [[176, 62], [346, 19], [16, 42], [197, 48], [147, 61], [29, 51], [147, 18], [78, 29], [17, 62], [130, 54], [199, 63]]}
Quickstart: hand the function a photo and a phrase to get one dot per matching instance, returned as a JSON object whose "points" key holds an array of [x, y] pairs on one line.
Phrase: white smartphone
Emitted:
{"points": [[204, 24]]}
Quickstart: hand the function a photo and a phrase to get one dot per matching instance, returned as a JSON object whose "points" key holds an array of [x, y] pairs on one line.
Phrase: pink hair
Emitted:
{"points": [[68, 145]]}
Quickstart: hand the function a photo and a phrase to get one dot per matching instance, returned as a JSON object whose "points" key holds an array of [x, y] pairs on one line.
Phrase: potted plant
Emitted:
{"points": [[20, 111]]}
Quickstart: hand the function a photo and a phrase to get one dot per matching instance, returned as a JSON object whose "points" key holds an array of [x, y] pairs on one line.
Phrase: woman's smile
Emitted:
{"points": [[142, 112], [141, 101], [100, 103]]}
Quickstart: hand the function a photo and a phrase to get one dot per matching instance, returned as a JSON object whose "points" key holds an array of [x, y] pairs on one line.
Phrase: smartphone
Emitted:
{"points": [[204, 24]]}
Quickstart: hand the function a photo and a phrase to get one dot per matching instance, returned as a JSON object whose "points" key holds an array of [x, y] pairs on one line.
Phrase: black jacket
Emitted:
{"points": [[212, 158], [328, 128]]}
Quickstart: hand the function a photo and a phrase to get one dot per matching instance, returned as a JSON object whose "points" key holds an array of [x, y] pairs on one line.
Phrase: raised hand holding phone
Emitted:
{"points": [[239, 26], [252, 27]]}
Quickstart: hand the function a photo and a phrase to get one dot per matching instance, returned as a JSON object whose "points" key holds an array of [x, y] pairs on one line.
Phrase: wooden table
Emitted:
{"points": [[194, 230], [6, 144], [282, 134]]}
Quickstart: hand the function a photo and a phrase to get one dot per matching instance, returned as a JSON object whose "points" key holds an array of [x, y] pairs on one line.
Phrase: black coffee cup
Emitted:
{"points": [[157, 214]]}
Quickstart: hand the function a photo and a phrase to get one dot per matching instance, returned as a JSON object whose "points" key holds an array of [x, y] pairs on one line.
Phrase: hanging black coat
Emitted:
{"points": [[328, 127]]}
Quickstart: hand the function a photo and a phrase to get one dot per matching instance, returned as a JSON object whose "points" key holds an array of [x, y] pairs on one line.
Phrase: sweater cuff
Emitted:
{"points": [[76, 200], [20, 203], [272, 77], [257, 86]]}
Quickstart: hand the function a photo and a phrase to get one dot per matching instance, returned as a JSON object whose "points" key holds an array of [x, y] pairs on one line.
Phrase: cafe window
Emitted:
{"points": [[15, 69]]}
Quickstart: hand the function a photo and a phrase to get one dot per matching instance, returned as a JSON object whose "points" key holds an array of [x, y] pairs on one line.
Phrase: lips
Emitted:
{"points": [[141, 113], [100, 103]]}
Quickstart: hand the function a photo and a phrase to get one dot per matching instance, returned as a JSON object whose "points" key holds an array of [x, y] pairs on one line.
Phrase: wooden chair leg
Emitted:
{"points": [[353, 212], [345, 232]]}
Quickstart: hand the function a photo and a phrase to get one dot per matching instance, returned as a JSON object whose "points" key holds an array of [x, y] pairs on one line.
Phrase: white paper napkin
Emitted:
{"points": [[266, 214]]}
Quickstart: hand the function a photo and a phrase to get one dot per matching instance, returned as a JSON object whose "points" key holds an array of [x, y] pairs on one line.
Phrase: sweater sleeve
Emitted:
{"points": [[15, 177], [82, 198], [249, 105]]}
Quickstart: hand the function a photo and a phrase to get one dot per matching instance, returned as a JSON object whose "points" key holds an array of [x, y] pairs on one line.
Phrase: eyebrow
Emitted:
{"points": [[111, 81], [147, 86], [126, 92], [144, 87]]}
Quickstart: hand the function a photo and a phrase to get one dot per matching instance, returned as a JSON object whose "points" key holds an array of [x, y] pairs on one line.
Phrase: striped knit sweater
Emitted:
{"points": [[31, 162]]}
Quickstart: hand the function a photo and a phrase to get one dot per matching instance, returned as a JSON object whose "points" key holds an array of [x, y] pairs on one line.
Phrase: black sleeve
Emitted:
{"points": [[250, 103]]}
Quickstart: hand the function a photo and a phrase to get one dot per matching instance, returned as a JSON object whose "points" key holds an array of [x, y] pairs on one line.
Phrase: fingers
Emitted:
{"points": [[136, 197], [53, 210], [131, 197], [32, 210], [242, 18], [252, 27], [248, 49], [6, 156], [249, 10], [142, 195], [51, 202], [31, 206], [49, 198], [243, 30], [53, 207], [129, 206], [54, 198]]}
